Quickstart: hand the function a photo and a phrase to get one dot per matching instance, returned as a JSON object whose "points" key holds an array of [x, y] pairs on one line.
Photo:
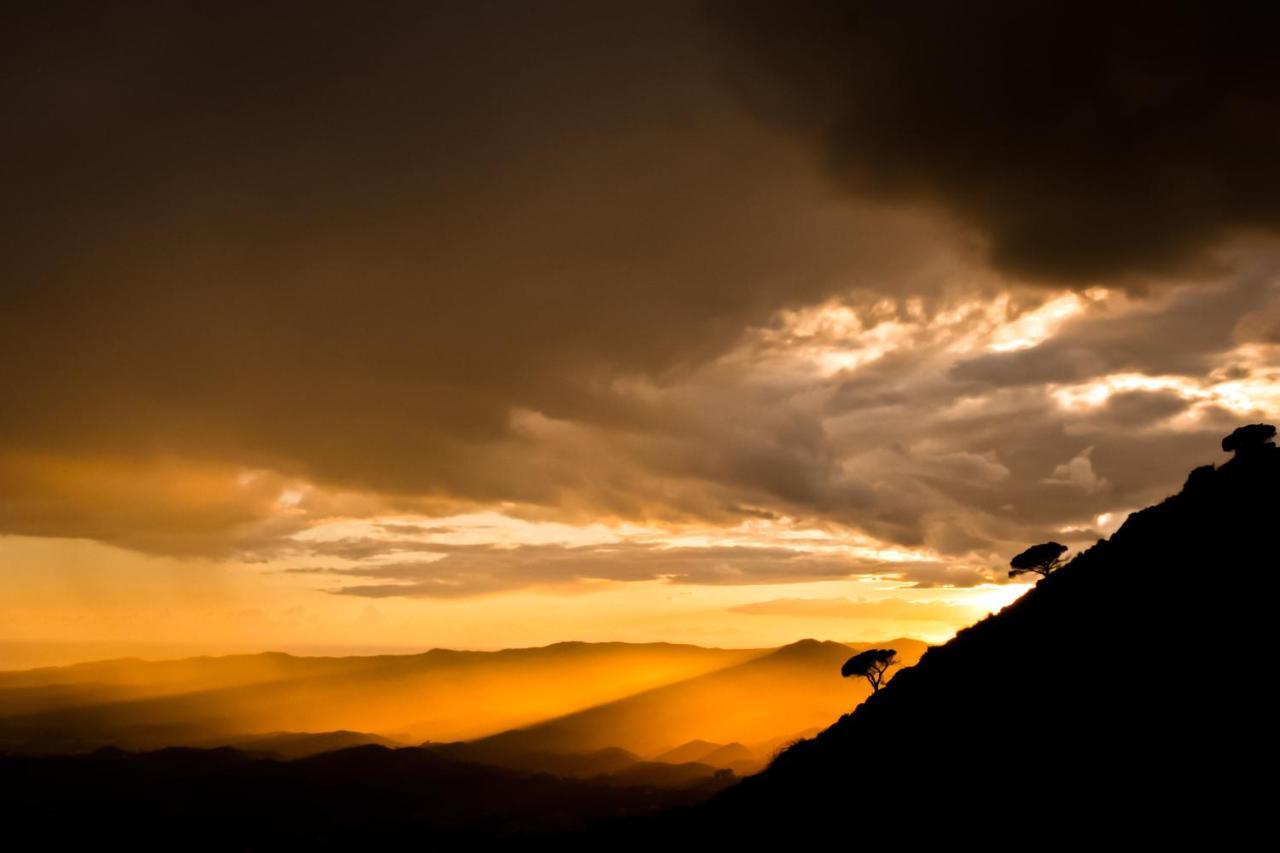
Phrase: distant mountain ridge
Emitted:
{"points": [[290, 706], [439, 695], [292, 745], [756, 705]]}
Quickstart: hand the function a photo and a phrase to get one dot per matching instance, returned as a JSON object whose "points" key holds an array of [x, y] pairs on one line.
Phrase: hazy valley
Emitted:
{"points": [[575, 709]]}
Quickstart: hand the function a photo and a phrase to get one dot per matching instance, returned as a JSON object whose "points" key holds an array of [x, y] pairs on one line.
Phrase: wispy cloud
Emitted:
{"points": [[889, 609]]}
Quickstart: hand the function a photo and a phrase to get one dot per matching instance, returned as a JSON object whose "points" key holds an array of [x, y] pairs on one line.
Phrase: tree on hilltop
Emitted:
{"points": [[1038, 559], [871, 665]]}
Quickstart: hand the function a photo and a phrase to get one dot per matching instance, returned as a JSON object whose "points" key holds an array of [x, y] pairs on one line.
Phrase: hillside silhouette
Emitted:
{"points": [[1120, 698]]}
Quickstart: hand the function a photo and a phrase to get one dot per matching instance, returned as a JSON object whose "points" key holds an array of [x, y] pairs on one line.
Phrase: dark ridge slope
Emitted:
{"points": [[362, 798], [1106, 700]]}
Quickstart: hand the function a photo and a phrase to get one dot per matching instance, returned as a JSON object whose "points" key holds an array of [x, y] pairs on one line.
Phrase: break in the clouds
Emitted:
{"points": [[848, 609], [627, 265], [466, 570], [461, 570]]}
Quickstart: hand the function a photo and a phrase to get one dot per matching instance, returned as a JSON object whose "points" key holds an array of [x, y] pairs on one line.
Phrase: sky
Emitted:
{"points": [[481, 324]]}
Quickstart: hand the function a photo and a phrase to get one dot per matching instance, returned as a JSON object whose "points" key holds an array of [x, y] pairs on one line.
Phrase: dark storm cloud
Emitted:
{"points": [[1085, 141], [350, 244]]}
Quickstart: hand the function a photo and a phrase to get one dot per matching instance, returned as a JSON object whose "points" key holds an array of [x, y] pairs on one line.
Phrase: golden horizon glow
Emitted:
{"points": [[159, 607]]}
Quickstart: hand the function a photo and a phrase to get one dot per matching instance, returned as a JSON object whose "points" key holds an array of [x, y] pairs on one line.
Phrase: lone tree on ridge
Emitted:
{"points": [[1038, 559], [871, 665]]}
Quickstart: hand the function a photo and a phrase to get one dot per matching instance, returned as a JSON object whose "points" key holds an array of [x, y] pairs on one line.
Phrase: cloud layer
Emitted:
{"points": [[460, 571], [266, 270], [350, 248]]}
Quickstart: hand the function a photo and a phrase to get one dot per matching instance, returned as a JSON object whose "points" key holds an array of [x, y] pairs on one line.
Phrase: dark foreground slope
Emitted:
{"points": [[363, 798], [1125, 695]]}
